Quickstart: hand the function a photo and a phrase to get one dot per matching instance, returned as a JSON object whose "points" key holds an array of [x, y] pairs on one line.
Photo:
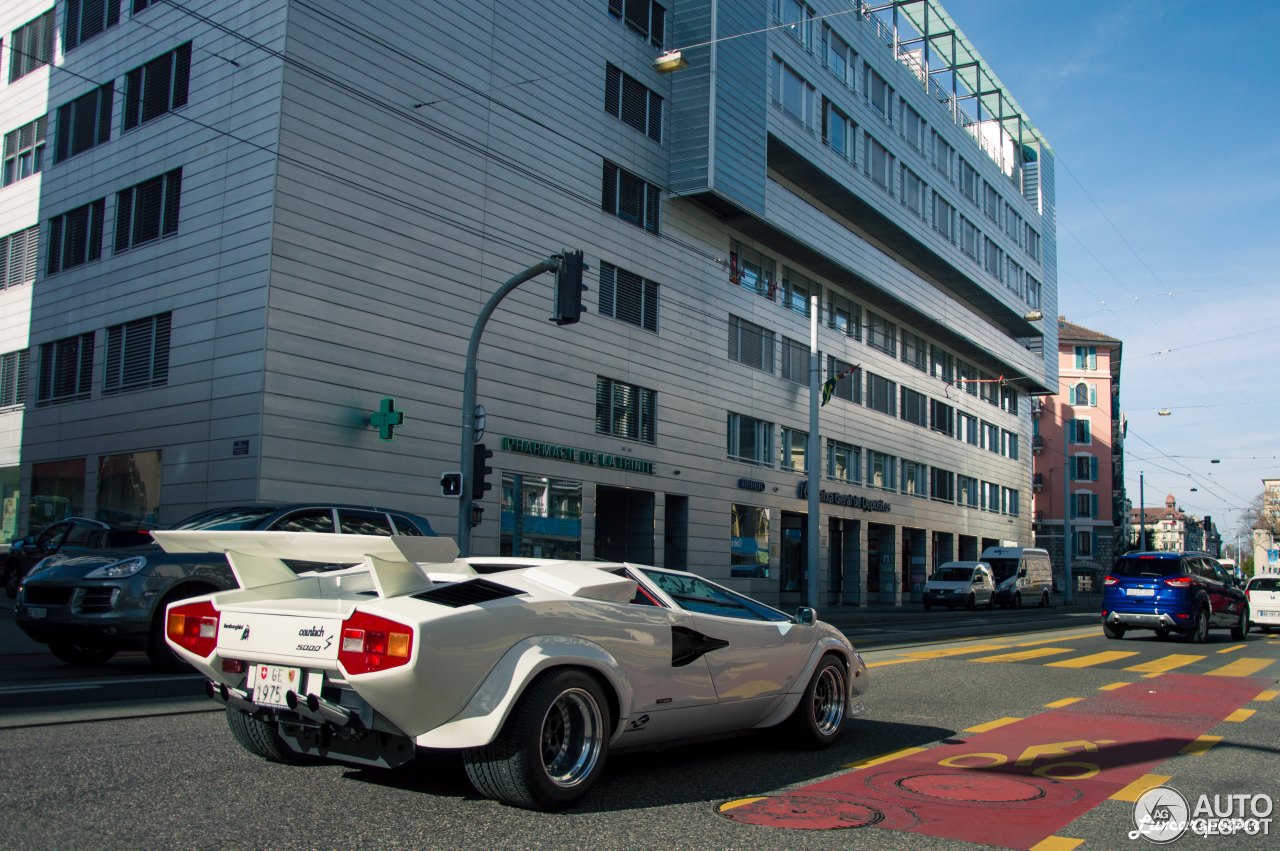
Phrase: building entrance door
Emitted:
{"points": [[624, 525]]}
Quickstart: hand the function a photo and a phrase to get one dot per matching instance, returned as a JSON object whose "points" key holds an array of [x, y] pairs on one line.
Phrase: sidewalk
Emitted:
{"points": [[873, 614]]}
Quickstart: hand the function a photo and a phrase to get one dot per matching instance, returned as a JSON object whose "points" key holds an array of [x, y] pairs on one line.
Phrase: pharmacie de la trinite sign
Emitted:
{"points": [[577, 456]]}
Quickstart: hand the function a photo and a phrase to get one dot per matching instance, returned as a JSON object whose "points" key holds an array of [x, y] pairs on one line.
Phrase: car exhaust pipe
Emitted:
{"points": [[227, 696], [316, 708]]}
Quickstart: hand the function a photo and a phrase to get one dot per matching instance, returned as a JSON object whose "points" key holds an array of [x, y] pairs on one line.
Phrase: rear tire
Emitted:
{"points": [[991, 602], [927, 605], [261, 739], [82, 653], [1044, 601], [552, 748], [1241, 628], [820, 717], [1200, 631], [1111, 631]]}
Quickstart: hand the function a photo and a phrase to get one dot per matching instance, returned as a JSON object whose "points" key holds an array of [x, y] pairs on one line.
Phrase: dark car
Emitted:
{"points": [[88, 606], [1187, 593], [72, 535]]}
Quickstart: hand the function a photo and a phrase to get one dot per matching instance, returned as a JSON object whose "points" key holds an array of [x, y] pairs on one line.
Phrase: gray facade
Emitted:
{"points": [[357, 179]]}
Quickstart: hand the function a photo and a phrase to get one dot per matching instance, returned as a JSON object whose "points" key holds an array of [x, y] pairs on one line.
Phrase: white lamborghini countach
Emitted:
{"points": [[534, 669]]}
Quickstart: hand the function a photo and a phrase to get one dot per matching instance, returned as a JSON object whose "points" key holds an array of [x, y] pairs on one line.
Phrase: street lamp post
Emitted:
{"points": [[1067, 592], [813, 460]]}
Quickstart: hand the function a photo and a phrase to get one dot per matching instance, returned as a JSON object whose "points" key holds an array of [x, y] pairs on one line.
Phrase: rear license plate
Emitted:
{"points": [[37, 612], [1268, 614], [1140, 592], [272, 682]]}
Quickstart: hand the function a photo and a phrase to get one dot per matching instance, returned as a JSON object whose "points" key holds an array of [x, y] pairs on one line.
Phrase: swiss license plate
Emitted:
{"points": [[1268, 614], [1140, 592], [37, 612], [272, 682]]}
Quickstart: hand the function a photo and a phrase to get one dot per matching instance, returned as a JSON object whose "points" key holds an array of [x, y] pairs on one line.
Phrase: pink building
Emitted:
{"points": [[1086, 411]]}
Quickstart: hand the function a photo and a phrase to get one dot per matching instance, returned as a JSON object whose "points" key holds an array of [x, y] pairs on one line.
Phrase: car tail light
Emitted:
{"points": [[1111, 580], [373, 643], [1178, 582], [194, 627]]}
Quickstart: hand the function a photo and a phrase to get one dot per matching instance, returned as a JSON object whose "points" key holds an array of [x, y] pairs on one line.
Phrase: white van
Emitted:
{"points": [[1022, 574], [960, 583]]}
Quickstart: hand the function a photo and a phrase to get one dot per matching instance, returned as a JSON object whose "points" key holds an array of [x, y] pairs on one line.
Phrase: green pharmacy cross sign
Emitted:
{"points": [[386, 418]]}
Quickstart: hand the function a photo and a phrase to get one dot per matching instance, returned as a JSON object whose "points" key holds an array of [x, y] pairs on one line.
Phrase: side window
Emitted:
{"points": [[642, 597], [53, 535], [306, 520], [697, 595], [353, 521], [79, 536], [405, 526]]}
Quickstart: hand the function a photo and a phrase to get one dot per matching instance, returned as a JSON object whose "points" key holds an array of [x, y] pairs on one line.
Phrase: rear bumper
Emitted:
{"points": [[1147, 620]]}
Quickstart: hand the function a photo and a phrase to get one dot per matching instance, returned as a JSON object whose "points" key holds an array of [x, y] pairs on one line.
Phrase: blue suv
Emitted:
{"points": [[1187, 593]]}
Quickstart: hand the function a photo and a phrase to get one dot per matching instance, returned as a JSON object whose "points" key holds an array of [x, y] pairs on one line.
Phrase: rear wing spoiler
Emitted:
{"points": [[258, 558]]}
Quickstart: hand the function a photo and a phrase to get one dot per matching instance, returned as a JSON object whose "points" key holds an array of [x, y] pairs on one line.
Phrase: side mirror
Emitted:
{"points": [[806, 616]]}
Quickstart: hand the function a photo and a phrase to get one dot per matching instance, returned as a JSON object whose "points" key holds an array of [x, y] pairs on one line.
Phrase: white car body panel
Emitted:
{"points": [[1264, 605], [471, 661]]}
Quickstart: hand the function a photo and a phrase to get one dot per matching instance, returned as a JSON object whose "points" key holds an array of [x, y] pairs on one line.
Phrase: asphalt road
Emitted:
{"points": [[164, 772]]}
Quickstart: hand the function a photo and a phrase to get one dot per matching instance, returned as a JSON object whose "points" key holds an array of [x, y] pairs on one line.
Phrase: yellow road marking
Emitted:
{"points": [[1134, 790], [1022, 655], [1231, 649], [1240, 715], [881, 664], [1070, 636], [1112, 686], [728, 805], [991, 725], [1094, 659], [1066, 701], [1269, 694], [1201, 745], [1168, 663], [883, 758], [1246, 667], [1056, 843], [956, 651]]}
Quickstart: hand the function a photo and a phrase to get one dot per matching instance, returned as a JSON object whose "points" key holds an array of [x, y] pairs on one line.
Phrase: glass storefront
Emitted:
{"points": [[129, 489], [749, 548], [541, 517], [57, 491]]}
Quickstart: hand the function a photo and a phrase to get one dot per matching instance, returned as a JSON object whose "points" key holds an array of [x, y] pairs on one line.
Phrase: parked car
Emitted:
{"points": [[1187, 593], [960, 583], [1022, 574], [1264, 601], [88, 605], [73, 535], [534, 669]]}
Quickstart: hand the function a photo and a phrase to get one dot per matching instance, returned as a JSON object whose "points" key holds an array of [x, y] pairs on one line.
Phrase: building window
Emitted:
{"points": [[541, 516], [797, 17], [881, 395], [31, 46], [881, 470], [944, 217], [1078, 431], [794, 444], [148, 211], [1009, 399], [1033, 292], [1085, 543], [879, 95], [1086, 357], [13, 378], [942, 485], [793, 93], [838, 56], [644, 17], [18, 257], [844, 316], [967, 428], [66, 370], [626, 410], [844, 462], [879, 164], [942, 418], [84, 122], [630, 100], [1013, 223], [914, 350], [913, 127], [991, 202], [137, 354], [87, 18], [139, 5], [913, 191], [1084, 468], [795, 361], [990, 497], [1009, 444], [749, 536], [75, 237], [158, 87], [628, 297], [915, 479], [1011, 498], [993, 259], [990, 437], [969, 239], [751, 269], [750, 440], [848, 378], [24, 150], [881, 333], [966, 491], [942, 154], [970, 184], [838, 131], [941, 364], [1084, 505], [630, 198], [915, 408], [967, 377], [1031, 241], [750, 344], [796, 291], [989, 390]]}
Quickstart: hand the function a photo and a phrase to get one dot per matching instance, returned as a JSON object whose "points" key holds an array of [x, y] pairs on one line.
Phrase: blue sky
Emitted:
{"points": [[1167, 139]]}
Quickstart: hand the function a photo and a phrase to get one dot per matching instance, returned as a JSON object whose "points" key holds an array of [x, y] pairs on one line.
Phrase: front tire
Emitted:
{"points": [[12, 576], [1241, 627], [971, 603], [927, 605], [819, 718], [551, 750], [82, 653], [1017, 602], [1200, 632], [1111, 631], [159, 653], [261, 739]]}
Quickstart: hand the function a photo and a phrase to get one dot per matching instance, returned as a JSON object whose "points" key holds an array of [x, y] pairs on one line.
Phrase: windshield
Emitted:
{"points": [[1002, 568], [953, 574], [1147, 566], [220, 519]]}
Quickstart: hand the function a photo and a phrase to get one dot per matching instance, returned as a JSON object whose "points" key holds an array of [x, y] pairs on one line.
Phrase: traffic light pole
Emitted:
{"points": [[469, 395]]}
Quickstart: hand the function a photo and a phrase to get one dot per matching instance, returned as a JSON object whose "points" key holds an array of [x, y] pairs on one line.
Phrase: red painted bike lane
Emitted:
{"points": [[1017, 784]]}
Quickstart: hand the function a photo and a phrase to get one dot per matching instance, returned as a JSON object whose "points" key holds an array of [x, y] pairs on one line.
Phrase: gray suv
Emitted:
{"points": [[90, 605]]}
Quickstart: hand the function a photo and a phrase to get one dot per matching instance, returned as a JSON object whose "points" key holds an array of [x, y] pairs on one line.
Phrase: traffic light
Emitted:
{"points": [[451, 484], [480, 470], [567, 306]]}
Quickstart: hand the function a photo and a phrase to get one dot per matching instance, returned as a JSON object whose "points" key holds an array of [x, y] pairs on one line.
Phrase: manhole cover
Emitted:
{"points": [[971, 787], [801, 812]]}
